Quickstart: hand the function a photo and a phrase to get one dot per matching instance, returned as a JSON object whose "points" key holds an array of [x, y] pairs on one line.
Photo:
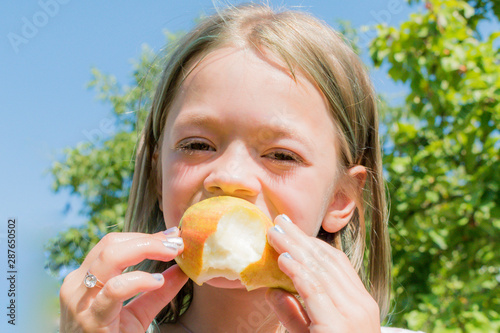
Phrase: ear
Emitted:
{"points": [[343, 203], [155, 162]]}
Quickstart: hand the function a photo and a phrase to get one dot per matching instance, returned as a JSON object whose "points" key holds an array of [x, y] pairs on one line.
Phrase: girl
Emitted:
{"points": [[276, 109]]}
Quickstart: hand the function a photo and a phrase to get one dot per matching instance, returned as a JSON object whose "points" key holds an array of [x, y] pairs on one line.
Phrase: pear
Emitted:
{"points": [[226, 237]]}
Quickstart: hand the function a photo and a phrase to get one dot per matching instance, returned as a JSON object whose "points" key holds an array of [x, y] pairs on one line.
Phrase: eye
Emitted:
{"points": [[193, 145], [284, 157]]}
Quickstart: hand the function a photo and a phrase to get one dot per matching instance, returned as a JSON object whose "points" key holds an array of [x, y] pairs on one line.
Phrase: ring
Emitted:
{"points": [[91, 281]]}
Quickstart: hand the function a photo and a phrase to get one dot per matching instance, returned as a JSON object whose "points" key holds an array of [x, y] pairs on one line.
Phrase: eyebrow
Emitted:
{"points": [[197, 120], [280, 130]]}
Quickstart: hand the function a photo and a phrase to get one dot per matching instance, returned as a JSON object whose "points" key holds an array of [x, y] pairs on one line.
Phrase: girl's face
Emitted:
{"points": [[241, 126]]}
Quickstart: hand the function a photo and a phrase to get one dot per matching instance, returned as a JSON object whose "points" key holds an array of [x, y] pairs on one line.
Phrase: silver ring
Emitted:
{"points": [[91, 281]]}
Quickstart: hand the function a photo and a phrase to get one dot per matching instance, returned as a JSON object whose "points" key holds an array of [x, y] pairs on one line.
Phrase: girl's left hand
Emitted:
{"points": [[334, 297]]}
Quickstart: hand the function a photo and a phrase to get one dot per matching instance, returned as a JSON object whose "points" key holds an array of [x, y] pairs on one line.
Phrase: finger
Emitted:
{"points": [[288, 310], [109, 301], [116, 257], [74, 296], [311, 260], [331, 266], [119, 237], [327, 267], [74, 279], [323, 252], [342, 260], [302, 249], [316, 298], [146, 306]]}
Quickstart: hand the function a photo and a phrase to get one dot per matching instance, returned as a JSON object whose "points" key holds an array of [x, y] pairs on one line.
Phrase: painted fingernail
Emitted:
{"points": [[285, 218], [170, 231], [157, 276], [173, 242], [286, 255], [278, 229]]}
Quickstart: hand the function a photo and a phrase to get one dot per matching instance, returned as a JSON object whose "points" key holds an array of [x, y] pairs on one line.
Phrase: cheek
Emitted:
{"points": [[307, 213], [181, 183], [305, 200]]}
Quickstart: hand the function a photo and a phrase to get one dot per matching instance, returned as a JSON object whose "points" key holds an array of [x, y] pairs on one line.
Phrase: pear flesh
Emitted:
{"points": [[227, 255]]}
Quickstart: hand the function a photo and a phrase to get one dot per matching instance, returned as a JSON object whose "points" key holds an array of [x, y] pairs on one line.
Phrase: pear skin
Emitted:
{"points": [[200, 222]]}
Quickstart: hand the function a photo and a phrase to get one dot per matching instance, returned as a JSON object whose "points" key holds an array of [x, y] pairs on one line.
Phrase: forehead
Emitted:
{"points": [[232, 83], [227, 66]]}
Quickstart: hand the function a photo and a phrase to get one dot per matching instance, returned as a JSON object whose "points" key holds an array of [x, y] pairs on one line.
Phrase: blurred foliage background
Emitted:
{"points": [[441, 162]]}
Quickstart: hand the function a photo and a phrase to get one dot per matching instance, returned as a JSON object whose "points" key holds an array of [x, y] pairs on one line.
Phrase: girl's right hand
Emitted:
{"points": [[101, 310]]}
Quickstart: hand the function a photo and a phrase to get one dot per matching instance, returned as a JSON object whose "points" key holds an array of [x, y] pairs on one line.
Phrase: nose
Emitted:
{"points": [[233, 173]]}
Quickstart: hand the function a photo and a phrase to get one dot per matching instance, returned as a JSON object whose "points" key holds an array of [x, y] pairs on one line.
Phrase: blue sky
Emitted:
{"points": [[47, 49]]}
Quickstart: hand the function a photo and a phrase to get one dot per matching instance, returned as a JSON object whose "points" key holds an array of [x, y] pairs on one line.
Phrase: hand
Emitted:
{"points": [[334, 297], [101, 310]]}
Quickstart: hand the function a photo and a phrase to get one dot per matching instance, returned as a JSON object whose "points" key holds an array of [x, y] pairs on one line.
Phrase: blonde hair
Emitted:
{"points": [[310, 46]]}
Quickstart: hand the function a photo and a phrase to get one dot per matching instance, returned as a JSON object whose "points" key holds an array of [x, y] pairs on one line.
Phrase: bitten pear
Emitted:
{"points": [[226, 237]]}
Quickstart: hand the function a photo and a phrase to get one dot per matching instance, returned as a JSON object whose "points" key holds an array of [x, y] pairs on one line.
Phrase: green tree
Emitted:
{"points": [[443, 167], [440, 157], [100, 171]]}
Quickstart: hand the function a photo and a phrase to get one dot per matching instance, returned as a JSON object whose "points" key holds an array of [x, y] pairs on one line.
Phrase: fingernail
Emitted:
{"points": [[170, 231], [173, 242], [278, 229], [285, 218], [286, 255], [158, 276]]}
